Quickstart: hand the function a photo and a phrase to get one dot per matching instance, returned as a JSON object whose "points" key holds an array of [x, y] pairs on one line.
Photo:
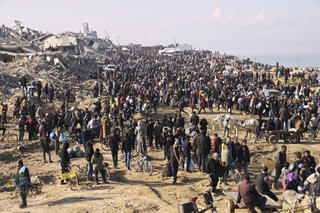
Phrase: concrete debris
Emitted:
{"points": [[61, 59]]}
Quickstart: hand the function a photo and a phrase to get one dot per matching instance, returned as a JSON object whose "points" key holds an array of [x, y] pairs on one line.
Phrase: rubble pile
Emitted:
{"points": [[61, 59]]}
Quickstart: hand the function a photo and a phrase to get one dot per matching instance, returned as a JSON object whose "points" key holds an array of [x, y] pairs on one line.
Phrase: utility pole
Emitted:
{"points": [[297, 44]]}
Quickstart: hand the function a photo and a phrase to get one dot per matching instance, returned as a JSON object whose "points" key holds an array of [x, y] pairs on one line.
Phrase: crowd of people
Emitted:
{"points": [[142, 82]]}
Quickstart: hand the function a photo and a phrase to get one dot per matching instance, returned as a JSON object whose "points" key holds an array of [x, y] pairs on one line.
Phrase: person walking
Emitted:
{"points": [[280, 161], [243, 157], [214, 170], [127, 146], [199, 147], [186, 150], [226, 125], [46, 92], [22, 179], [140, 132], [157, 134], [21, 127], [64, 159], [45, 143], [89, 155], [51, 93], [226, 160], [150, 133], [174, 158], [97, 163], [31, 127], [114, 141]]}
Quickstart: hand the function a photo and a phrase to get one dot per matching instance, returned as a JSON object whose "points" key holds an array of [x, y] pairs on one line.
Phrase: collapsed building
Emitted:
{"points": [[61, 59]]}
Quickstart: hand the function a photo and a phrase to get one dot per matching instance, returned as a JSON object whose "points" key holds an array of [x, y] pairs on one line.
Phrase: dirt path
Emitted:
{"points": [[127, 191]]}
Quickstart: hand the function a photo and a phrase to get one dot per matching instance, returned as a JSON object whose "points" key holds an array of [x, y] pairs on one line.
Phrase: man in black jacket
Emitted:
{"points": [[114, 141], [203, 124], [127, 146], [214, 169], [264, 184], [157, 134], [281, 159], [64, 159], [89, 154], [150, 132], [309, 161], [23, 83], [243, 157], [199, 147]]}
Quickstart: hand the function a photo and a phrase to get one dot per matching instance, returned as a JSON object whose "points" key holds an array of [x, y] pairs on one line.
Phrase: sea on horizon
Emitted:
{"points": [[287, 60]]}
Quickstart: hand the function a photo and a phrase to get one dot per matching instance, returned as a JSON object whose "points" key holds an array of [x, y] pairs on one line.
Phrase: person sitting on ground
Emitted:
{"points": [[249, 195], [264, 184]]}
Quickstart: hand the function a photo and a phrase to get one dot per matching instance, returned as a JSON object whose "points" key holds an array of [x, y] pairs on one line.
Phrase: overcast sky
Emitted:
{"points": [[232, 26]]}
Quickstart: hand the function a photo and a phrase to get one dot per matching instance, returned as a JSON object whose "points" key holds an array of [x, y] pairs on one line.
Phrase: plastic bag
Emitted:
{"points": [[53, 134], [191, 166], [35, 137], [62, 137]]}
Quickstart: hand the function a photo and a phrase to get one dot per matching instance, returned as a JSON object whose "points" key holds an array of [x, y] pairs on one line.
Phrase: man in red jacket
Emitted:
{"points": [[249, 195]]}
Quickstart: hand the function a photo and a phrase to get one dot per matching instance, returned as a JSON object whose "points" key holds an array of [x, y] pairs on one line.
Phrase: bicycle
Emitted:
{"points": [[233, 173], [191, 205], [142, 163], [31, 189], [34, 188], [71, 177], [104, 145]]}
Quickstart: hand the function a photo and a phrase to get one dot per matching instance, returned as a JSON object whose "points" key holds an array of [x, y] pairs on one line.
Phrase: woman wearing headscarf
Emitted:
{"points": [[140, 132], [64, 159], [226, 159]]}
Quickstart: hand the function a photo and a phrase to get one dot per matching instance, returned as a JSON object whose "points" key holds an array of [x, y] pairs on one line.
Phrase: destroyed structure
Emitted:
{"points": [[61, 59]]}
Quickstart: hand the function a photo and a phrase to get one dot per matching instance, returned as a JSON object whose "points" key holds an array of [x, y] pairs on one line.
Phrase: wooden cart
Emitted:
{"points": [[289, 136]]}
